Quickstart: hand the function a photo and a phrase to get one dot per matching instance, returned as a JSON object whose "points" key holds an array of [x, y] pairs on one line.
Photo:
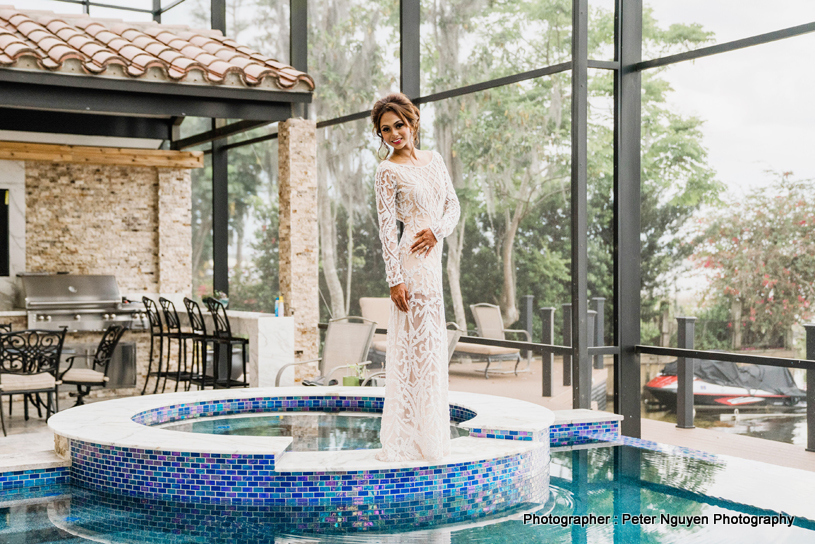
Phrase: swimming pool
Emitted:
{"points": [[631, 488]]}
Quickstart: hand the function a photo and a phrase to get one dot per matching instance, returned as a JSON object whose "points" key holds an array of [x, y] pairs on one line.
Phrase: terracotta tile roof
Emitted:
{"points": [[79, 44]]}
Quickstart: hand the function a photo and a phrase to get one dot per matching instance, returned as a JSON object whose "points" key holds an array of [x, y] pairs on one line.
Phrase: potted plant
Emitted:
{"points": [[358, 374]]}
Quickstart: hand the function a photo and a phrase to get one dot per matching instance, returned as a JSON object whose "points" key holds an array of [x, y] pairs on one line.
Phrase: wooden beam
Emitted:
{"points": [[24, 151]]}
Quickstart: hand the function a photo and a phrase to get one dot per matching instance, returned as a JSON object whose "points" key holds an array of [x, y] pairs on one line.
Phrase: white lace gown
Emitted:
{"points": [[416, 416]]}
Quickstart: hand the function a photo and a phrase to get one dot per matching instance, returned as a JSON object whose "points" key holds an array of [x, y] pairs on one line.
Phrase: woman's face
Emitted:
{"points": [[395, 132]]}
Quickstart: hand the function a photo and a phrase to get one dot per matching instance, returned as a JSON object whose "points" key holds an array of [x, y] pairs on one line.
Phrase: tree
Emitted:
{"points": [[759, 254], [351, 73]]}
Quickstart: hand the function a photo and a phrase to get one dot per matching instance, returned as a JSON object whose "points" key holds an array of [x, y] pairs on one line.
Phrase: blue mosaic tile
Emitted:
{"points": [[355, 499], [34, 478], [571, 434]]}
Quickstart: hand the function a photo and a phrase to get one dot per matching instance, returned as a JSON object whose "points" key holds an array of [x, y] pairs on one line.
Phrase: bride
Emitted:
{"points": [[413, 186]]}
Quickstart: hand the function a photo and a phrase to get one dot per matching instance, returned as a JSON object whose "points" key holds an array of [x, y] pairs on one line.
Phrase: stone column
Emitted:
{"points": [[297, 159], [174, 233]]}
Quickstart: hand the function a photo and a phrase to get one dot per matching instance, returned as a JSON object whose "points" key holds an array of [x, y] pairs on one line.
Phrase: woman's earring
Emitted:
{"points": [[379, 151]]}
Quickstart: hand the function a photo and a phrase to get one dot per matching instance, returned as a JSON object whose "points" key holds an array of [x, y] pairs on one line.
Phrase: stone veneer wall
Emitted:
{"points": [[297, 160], [132, 222]]}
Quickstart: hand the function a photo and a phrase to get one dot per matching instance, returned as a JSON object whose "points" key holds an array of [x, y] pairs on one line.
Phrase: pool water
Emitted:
{"points": [[310, 431], [626, 484]]}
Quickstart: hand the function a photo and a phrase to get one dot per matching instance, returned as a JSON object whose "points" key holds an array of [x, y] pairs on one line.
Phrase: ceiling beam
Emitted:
{"points": [[59, 122]]}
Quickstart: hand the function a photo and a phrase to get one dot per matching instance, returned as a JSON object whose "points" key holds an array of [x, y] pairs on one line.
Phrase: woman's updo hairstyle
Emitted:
{"points": [[402, 107]]}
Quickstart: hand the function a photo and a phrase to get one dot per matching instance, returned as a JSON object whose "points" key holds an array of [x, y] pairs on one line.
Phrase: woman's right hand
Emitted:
{"points": [[400, 296]]}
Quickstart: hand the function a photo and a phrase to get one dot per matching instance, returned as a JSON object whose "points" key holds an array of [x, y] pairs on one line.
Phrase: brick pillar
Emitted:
{"points": [[297, 160]]}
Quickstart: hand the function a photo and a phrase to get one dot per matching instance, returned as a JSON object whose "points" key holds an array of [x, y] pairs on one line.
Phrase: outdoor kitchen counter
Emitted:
{"points": [[271, 344]]}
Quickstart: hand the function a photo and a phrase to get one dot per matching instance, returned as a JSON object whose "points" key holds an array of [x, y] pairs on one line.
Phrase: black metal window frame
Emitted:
{"points": [[157, 11]]}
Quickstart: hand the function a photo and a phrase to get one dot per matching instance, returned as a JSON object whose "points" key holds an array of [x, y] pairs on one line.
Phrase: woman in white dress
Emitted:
{"points": [[413, 186]]}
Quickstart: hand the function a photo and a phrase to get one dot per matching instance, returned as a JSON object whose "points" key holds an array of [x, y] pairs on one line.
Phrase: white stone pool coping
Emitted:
{"points": [[110, 423]]}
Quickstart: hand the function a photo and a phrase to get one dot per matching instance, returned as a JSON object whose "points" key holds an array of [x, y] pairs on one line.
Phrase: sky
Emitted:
{"points": [[756, 103]]}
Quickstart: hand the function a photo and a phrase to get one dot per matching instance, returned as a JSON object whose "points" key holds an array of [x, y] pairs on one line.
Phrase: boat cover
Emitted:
{"points": [[773, 379]]}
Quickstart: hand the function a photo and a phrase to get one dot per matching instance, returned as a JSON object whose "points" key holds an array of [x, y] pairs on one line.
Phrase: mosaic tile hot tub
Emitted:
{"points": [[117, 447]]}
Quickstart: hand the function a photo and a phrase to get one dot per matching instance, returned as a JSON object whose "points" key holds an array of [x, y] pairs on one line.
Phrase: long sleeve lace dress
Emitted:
{"points": [[416, 416]]}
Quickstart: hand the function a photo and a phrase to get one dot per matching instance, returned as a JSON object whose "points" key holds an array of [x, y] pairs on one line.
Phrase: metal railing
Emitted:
{"points": [[686, 356]]}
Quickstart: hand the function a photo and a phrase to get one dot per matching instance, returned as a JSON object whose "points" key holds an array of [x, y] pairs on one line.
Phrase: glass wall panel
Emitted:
{"points": [[253, 227], [50, 5], [727, 176], [600, 185], [466, 42], [351, 264], [260, 24], [353, 54], [601, 29], [717, 21], [202, 230], [508, 153]]}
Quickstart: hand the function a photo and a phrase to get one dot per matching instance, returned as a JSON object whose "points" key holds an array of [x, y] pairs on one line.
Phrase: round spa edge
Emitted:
{"points": [[115, 448]]}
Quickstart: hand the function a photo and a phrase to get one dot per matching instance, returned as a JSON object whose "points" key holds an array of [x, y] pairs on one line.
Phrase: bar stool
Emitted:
{"points": [[223, 339], [174, 332], [201, 341], [157, 335]]}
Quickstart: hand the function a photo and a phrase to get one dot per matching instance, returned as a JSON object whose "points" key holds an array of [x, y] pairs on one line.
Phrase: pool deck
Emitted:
{"points": [[31, 442]]}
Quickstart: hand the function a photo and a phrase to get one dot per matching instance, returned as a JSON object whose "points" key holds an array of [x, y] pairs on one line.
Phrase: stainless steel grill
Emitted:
{"points": [[80, 302]]}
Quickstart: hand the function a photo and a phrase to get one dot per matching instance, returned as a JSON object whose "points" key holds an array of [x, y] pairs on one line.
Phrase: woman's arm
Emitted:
{"points": [[385, 185], [452, 211]]}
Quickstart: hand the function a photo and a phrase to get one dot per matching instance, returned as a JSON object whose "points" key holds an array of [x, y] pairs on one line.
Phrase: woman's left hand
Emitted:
{"points": [[425, 241]]}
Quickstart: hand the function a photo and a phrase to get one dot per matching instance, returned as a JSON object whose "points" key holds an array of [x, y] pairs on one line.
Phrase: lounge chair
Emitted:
{"points": [[489, 324], [378, 310], [347, 342]]}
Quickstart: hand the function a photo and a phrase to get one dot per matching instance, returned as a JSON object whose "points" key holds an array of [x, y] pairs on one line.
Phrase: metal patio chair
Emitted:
{"points": [[202, 368], [29, 362], [157, 335], [97, 374], [223, 339], [489, 324], [174, 332], [347, 342]]}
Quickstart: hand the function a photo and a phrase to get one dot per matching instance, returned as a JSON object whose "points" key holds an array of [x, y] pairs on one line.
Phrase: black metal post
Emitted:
{"points": [[581, 368], [684, 374], [157, 11], [220, 216], [810, 339], [591, 318], [410, 47], [298, 44], [547, 359], [526, 319], [218, 15], [220, 185], [599, 328], [627, 253], [86, 7], [567, 341]]}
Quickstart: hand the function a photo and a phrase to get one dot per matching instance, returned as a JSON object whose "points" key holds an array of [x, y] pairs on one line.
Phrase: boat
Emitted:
{"points": [[729, 385]]}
